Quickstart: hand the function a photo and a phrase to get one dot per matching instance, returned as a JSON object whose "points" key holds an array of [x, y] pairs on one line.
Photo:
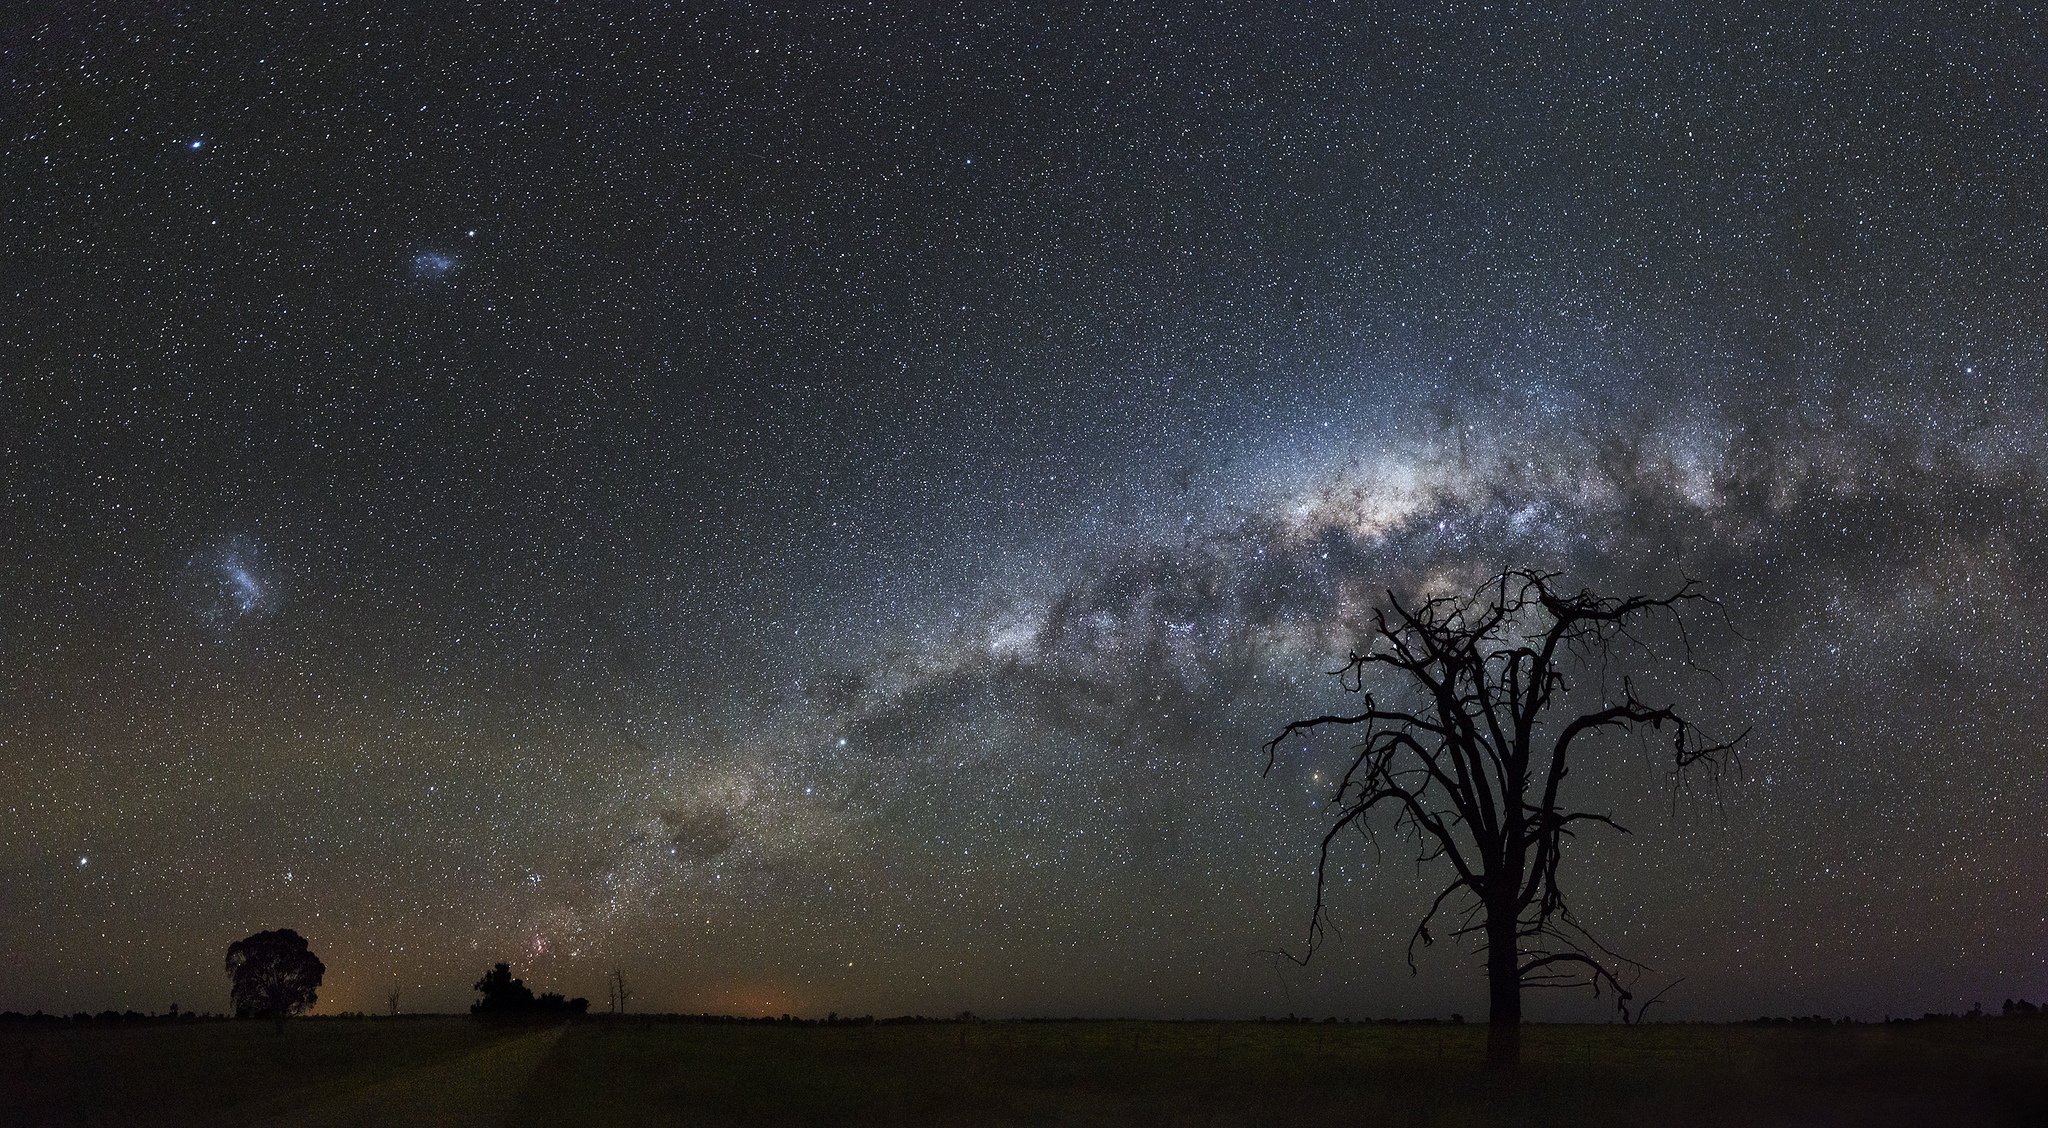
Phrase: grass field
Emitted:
{"points": [[366, 1072]]}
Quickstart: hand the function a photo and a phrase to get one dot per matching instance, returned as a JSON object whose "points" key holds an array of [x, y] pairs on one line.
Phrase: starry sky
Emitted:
{"points": [[818, 507]]}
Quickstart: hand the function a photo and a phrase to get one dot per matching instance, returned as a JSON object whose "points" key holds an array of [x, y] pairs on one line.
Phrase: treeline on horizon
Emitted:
{"points": [[2012, 1009]]}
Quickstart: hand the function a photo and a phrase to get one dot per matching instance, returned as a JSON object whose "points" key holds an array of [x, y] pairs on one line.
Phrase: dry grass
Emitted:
{"points": [[650, 1071]]}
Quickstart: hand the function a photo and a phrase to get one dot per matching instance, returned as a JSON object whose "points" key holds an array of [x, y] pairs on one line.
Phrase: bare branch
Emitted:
{"points": [[1476, 768]]}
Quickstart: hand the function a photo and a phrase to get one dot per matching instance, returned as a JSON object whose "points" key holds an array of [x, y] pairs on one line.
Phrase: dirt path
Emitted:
{"points": [[470, 1092]]}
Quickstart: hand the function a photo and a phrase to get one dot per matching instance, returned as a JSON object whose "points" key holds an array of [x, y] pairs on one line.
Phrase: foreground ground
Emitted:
{"points": [[451, 1071]]}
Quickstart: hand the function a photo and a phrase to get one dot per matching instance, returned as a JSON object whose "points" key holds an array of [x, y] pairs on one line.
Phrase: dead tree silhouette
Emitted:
{"points": [[392, 998], [617, 989], [1458, 745]]}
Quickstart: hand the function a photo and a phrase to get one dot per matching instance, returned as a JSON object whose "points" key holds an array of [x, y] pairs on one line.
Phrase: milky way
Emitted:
{"points": [[838, 534]]}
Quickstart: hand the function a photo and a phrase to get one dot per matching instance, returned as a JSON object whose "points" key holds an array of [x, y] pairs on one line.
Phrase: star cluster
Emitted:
{"points": [[819, 508]]}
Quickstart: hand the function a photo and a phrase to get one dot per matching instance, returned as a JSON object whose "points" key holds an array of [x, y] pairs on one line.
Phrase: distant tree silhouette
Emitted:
{"points": [[506, 997], [391, 997], [501, 993], [1460, 745], [616, 991], [273, 975], [553, 1003]]}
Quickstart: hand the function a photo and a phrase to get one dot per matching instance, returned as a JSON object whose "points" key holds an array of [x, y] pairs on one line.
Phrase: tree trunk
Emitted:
{"points": [[1503, 991]]}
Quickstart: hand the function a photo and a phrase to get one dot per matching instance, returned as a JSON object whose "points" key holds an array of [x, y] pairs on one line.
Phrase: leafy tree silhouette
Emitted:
{"points": [[506, 997], [501, 993], [273, 975]]}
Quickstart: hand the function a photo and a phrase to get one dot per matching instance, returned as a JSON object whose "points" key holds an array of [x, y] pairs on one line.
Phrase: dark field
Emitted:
{"points": [[364, 1072]]}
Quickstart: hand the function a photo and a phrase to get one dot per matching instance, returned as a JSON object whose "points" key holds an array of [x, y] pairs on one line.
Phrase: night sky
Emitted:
{"points": [[819, 507]]}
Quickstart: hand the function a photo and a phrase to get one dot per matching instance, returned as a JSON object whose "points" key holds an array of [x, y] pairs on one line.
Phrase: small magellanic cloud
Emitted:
{"points": [[431, 265]]}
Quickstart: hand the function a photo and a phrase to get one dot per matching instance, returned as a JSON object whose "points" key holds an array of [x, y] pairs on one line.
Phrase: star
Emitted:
{"points": [[1002, 514]]}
